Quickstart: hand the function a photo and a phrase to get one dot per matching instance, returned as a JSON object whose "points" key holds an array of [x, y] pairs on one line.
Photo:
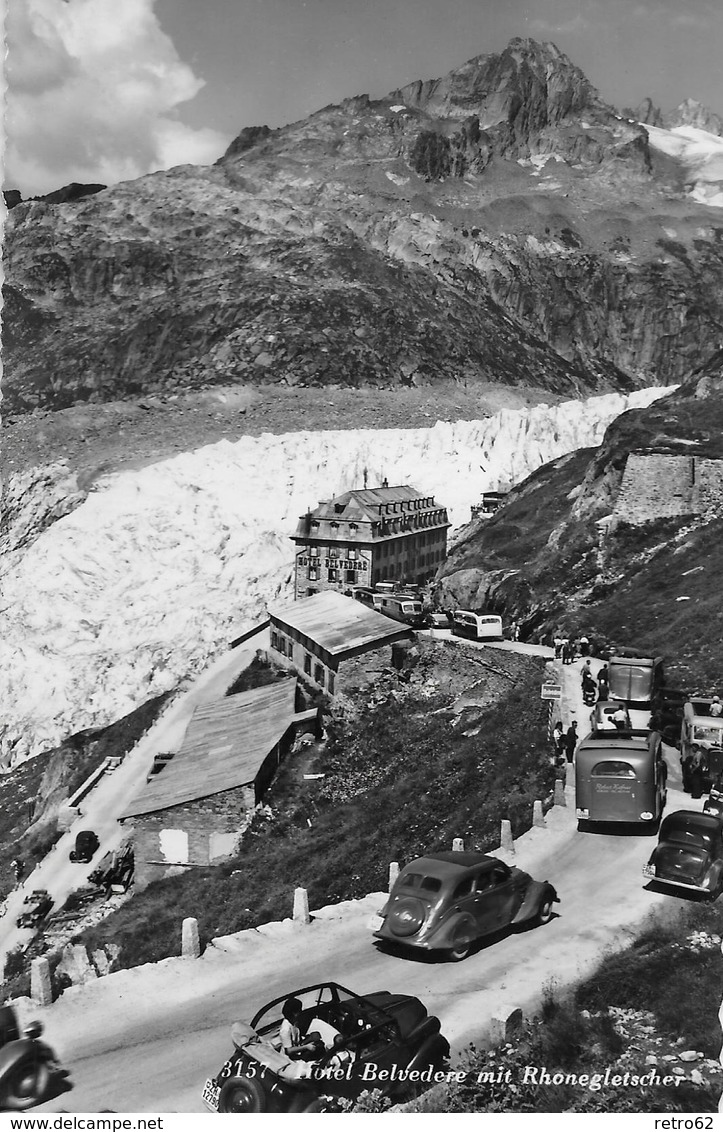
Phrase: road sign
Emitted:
{"points": [[551, 692]]}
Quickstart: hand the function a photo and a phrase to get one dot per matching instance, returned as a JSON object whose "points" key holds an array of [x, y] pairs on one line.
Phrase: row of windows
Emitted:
{"points": [[312, 667], [333, 575]]}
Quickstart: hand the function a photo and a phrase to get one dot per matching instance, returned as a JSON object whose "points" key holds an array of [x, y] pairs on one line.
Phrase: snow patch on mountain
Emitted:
{"points": [[135, 590], [702, 155]]}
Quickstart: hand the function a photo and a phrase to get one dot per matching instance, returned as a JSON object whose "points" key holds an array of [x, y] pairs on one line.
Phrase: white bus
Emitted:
{"points": [[477, 626]]}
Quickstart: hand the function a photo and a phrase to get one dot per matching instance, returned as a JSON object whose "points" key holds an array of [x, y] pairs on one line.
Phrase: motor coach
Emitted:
{"points": [[620, 778], [477, 626]]}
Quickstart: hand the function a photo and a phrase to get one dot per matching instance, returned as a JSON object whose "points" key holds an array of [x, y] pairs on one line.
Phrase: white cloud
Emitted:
{"points": [[93, 87]]}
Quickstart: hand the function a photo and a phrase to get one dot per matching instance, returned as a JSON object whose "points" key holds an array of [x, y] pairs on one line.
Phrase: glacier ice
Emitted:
{"points": [[135, 590]]}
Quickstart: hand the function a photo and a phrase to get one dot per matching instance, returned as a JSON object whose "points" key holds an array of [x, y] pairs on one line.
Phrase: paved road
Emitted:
{"points": [[144, 1040]]}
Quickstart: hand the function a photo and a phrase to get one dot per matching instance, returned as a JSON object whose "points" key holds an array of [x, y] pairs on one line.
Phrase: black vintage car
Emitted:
{"points": [[353, 1042], [689, 853], [30, 1073], [86, 844], [444, 902]]}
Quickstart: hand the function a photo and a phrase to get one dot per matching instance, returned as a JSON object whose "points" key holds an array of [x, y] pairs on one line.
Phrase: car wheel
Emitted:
{"points": [[25, 1085], [461, 944], [242, 1094], [544, 912]]}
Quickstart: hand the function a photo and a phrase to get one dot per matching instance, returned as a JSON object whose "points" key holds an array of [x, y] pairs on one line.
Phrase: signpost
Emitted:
{"points": [[551, 692]]}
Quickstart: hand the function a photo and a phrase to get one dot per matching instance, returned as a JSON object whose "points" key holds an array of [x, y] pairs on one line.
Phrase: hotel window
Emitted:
{"points": [[333, 551], [313, 552], [333, 574], [307, 664], [350, 576], [330, 683], [274, 640], [351, 552], [313, 574], [319, 674]]}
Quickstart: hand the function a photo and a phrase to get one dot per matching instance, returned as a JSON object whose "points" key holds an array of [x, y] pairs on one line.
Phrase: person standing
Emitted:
{"points": [[558, 740], [571, 740], [716, 708], [603, 682]]}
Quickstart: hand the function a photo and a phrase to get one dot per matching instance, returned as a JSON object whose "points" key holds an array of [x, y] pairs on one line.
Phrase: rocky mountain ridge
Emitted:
{"points": [[502, 224], [689, 112]]}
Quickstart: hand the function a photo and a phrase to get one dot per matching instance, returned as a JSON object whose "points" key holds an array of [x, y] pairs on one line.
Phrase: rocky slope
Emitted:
{"points": [[152, 571], [655, 584], [499, 224]]}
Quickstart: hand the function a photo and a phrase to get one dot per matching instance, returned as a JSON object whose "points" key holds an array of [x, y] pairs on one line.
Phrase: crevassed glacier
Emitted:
{"points": [[136, 589]]}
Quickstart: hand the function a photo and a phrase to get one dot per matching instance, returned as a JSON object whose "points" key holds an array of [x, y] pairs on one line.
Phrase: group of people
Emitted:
{"points": [[564, 741], [567, 650], [595, 688]]}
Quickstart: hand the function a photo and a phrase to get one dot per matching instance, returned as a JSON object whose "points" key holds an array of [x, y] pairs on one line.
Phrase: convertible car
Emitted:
{"points": [[351, 1043], [689, 853], [446, 901]]}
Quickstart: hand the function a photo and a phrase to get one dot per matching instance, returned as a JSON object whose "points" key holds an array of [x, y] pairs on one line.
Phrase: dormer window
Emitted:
{"points": [[334, 525], [353, 527], [314, 524]]}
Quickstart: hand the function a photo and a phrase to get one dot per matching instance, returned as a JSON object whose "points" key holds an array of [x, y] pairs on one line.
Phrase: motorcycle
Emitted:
{"points": [[30, 1073]]}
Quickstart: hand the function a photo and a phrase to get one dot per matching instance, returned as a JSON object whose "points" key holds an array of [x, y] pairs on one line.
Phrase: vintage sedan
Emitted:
{"points": [[689, 853], [350, 1043], [446, 901]]}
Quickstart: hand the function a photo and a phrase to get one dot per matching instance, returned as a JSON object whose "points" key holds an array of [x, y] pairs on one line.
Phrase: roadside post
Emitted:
{"points": [[552, 693]]}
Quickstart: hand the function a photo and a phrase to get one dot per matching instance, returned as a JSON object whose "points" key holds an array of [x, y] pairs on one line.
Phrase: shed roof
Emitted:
{"points": [[226, 742], [338, 623]]}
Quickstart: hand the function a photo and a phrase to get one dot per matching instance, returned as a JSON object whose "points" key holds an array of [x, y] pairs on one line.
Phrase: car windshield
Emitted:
{"points": [[328, 1003], [613, 769], [706, 734], [412, 607], [419, 880]]}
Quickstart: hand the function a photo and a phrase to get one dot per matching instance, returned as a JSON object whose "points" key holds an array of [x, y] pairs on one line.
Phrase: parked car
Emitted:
{"points": [[29, 1070], [444, 902], [359, 1042], [602, 722], [437, 620], [689, 853], [37, 909], [86, 845]]}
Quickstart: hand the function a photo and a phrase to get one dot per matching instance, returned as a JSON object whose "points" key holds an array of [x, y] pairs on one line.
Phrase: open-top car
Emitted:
{"points": [[689, 853], [349, 1043], [444, 902]]}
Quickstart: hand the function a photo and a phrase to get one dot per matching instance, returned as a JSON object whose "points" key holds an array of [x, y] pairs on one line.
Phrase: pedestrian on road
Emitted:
{"points": [[603, 682], [571, 740], [18, 867], [568, 652], [558, 641], [586, 672], [558, 740], [716, 708], [584, 646]]}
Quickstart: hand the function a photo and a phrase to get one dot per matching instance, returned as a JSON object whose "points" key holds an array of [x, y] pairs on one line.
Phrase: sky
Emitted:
{"points": [[107, 90]]}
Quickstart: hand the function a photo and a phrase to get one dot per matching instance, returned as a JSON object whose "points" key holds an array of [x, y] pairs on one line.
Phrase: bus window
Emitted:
{"points": [[613, 769]]}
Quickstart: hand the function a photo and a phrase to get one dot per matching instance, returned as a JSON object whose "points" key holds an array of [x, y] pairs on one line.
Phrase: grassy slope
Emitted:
{"points": [[406, 772]]}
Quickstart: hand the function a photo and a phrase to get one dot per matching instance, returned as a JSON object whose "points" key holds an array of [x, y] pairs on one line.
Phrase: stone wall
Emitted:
{"points": [[197, 833], [661, 485]]}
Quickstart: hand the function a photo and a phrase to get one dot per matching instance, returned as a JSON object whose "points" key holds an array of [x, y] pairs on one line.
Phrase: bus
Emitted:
{"points": [[637, 680], [620, 778], [403, 607], [476, 626]]}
